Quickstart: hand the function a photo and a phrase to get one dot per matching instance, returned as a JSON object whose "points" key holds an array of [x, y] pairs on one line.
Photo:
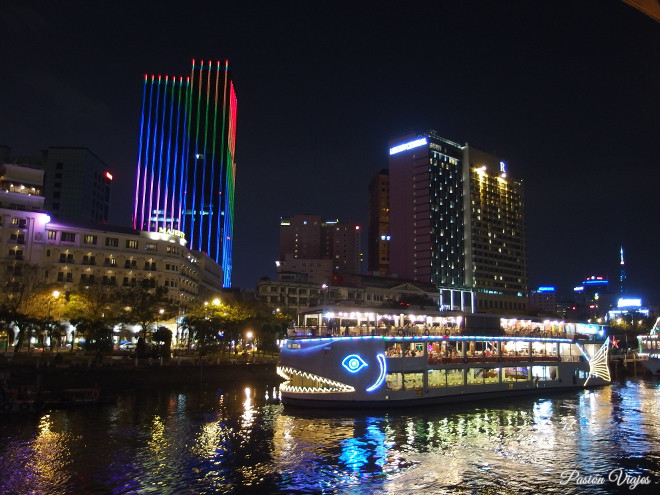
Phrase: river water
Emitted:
{"points": [[207, 440]]}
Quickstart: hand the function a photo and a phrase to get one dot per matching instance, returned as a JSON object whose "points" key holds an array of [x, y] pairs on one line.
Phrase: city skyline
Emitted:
{"points": [[564, 93]]}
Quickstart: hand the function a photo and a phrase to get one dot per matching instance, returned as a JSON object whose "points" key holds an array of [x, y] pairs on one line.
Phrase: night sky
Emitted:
{"points": [[566, 92]]}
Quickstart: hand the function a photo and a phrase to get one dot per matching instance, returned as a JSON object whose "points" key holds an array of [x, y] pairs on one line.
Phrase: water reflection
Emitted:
{"points": [[242, 440]]}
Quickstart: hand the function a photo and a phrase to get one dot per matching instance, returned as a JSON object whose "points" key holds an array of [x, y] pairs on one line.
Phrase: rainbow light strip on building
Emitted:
{"points": [[185, 177]]}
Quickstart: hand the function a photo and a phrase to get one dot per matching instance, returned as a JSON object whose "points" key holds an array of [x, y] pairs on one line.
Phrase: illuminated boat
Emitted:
{"points": [[649, 349], [436, 365]]}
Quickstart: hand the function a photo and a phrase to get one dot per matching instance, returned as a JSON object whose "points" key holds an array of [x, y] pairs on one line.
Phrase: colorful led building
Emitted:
{"points": [[185, 175], [457, 220]]}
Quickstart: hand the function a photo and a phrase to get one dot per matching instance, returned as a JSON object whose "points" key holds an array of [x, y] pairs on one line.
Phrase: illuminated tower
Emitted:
{"points": [[457, 220], [622, 275], [186, 171]]}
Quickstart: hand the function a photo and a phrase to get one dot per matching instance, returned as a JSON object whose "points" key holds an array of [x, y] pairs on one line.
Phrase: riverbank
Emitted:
{"points": [[132, 375]]}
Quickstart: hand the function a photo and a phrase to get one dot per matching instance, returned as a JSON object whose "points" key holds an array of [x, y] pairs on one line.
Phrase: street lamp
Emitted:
{"points": [[249, 336], [51, 300]]}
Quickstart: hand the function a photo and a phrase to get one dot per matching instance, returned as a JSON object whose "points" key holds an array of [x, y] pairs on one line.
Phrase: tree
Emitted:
{"points": [[163, 336], [53, 330], [144, 305], [94, 310], [19, 299]]}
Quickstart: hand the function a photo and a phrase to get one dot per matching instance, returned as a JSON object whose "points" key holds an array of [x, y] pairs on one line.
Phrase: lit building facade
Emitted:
{"points": [[186, 170], [69, 255], [319, 249], [379, 224], [76, 186], [457, 220], [544, 299], [288, 294]]}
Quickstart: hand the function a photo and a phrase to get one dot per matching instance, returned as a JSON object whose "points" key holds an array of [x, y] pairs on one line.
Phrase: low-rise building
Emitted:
{"points": [[293, 295]]}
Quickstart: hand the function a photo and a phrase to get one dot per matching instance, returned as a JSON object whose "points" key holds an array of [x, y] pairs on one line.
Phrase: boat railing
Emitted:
{"points": [[409, 331], [493, 359]]}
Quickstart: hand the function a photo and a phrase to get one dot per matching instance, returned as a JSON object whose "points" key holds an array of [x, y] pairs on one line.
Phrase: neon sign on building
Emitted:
{"points": [[409, 145]]}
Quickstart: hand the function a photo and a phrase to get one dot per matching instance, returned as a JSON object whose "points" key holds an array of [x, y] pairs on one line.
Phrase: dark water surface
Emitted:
{"points": [[190, 441]]}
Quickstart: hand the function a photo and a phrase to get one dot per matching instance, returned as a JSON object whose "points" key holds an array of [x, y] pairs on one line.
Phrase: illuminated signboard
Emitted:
{"points": [[587, 328], [546, 289], [629, 302], [595, 280], [177, 233], [408, 146]]}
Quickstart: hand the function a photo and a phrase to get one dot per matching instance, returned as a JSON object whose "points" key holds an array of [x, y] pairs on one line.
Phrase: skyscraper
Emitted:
{"points": [[379, 224], [320, 249], [457, 220], [185, 175]]}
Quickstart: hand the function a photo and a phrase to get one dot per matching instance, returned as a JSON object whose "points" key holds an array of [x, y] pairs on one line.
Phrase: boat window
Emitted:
{"points": [[394, 381], [455, 378], [436, 378], [515, 374], [413, 381], [477, 376], [437, 351], [404, 349], [582, 374], [491, 375], [544, 372], [394, 350]]}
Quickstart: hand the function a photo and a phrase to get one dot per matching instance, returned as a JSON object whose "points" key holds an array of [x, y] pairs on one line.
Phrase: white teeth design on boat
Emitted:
{"points": [[310, 383]]}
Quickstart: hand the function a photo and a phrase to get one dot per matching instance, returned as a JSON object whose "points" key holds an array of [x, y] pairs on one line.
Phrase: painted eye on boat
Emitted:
{"points": [[353, 363]]}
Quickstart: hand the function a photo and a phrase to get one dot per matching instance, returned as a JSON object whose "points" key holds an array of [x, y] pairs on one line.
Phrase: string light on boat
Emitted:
{"points": [[353, 363], [325, 384], [598, 364]]}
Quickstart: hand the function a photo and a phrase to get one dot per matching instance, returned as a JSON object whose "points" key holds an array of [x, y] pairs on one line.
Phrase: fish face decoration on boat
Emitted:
{"points": [[331, 366]]}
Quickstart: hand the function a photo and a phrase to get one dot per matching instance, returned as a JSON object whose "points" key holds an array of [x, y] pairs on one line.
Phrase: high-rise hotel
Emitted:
{"points": [[186, 171], [456, 219]]}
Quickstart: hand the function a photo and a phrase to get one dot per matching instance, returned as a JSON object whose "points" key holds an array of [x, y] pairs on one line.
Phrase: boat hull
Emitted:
{"points": [[652, 365], [347, 372]]}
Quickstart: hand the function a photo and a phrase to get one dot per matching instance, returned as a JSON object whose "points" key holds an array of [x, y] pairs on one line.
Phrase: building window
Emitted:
{"points": [[87, 259], [68, 237], [89, 239], [150, 246], [52, 235], [111, 242], [111, 261], [132, 244]]}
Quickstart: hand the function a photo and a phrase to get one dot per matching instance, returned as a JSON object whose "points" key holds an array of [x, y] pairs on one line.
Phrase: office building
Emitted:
{"points": [[543, 299], [379, 224], [185, 174], [457, 220], [319, 249]]}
